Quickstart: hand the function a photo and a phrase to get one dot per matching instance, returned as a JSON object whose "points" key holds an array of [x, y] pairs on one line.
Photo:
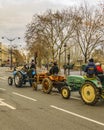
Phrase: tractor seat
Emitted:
{"points": [[89, 76]]}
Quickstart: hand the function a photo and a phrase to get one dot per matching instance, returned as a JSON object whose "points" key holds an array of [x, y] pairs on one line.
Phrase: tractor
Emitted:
{"points": [[21, 76], [48, 82], [90, 89]]}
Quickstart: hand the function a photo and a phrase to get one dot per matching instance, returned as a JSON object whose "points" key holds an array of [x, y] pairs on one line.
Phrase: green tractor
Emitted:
{"points": [[90, 89]]}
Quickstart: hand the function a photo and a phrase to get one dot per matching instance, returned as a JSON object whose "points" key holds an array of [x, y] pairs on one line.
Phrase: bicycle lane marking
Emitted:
{"points": [[24, 96], [5, 104], [77, 115]]}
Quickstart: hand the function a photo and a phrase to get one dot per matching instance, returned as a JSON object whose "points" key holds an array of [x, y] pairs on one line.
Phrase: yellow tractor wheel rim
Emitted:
{"points": [[88, 93], [65, 92]]}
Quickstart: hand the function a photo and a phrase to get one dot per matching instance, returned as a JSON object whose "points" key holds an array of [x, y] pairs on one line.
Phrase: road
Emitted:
{"points": [[25, 109]]}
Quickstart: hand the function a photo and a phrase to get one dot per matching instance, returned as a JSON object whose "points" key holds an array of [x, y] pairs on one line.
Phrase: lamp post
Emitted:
{"points": [[65, 52], [69, 64], [11, 50], [35, 57], [65, 58], [35, 60], [80, 62]]}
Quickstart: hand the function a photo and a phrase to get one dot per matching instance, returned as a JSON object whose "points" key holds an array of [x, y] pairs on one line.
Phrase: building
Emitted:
{"points": [[4, 54]]}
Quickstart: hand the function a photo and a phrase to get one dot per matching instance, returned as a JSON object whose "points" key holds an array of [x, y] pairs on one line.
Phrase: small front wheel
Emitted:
{"points": [[65, 92], [10, 80]]}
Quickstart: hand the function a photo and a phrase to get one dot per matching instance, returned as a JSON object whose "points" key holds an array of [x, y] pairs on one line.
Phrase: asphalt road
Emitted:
{"points": [[25, 109]]}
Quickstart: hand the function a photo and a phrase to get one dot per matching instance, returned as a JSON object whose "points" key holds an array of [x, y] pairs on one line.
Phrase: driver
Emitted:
{"points": [[25, 68], [90, 69], [54, 69]]}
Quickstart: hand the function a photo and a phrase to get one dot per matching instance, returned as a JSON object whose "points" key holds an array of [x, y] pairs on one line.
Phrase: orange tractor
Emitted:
{"points": [[49, 81]]}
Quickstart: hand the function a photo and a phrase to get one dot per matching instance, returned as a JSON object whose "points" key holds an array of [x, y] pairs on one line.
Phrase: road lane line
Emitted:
{"points": [[1, 99], [75, 98], [77, 115], [5, 104], [2, 78], [24, 96], [2, 89]]}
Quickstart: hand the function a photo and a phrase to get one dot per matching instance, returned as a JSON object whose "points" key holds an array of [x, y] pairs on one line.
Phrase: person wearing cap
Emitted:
{"points": [[90, 69]]}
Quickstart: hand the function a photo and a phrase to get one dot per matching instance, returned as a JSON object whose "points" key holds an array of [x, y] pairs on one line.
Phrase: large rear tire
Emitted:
{"points": [[65, 92], [18, 78], [47, 85], [89, 93]]}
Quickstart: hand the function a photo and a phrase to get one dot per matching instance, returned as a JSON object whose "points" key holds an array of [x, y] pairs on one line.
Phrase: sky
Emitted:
{"points": [[16, 14]]}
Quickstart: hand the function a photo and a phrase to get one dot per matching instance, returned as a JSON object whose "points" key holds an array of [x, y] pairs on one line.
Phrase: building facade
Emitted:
{"points": [[4, 55]]}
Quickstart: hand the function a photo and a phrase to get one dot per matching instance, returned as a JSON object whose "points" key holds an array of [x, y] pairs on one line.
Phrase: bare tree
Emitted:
{"points": [[52, 30], [88, 30]]}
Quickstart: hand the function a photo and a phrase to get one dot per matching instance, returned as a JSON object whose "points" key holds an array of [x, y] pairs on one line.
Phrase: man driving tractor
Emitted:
{"points": [[54, 69], [90, 69], [93, 69]]}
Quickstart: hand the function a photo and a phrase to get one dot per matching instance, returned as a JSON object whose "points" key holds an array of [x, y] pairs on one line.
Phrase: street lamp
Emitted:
{"points": [[65, 52], [80, 62], [65, 58], [69, 64], [11, 50]]}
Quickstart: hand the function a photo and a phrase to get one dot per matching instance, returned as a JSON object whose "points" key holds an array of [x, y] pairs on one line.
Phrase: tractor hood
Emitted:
{"points": [[79, 80], [75, 78]]}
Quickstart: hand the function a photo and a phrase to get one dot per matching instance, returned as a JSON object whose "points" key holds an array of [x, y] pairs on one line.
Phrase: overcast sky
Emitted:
{"points": [[16, 14]]}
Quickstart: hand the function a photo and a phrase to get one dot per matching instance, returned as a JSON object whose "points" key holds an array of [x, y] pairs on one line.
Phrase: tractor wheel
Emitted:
{"points": [[34, 86], [89, 93], [18, 79], [65, 92], [47, 85], [10, 80]]}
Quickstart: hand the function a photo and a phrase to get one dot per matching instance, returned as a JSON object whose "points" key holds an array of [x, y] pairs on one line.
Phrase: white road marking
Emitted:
{"points": [[2, 89], [75, 98], [1, 99], [7, 105], [2, 78], [77, 115], [24, 96]]}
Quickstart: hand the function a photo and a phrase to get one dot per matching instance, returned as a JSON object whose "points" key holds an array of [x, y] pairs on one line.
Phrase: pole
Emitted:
{"points": [[80, 63], [65, 55], [65, 58], [11, 59], [69, 64]]}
